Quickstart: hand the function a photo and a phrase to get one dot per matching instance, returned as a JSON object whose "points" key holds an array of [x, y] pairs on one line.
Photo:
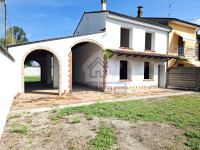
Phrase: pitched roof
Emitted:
{"points": [[169, 20], [53, 39], [131, 18]]}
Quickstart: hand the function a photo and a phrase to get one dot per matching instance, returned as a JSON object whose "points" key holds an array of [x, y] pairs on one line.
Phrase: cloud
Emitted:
{"points": [[197, 21]]}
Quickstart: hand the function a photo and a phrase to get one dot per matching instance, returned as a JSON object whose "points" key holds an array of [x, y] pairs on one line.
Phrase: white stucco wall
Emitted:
{"points": [[136, 66], [61, 48], [32, 71], [7, 85], [137, 39]]}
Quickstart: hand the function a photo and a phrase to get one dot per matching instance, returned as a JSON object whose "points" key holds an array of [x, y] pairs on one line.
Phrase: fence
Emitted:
{"points": [[184, 77], [6, 31]]}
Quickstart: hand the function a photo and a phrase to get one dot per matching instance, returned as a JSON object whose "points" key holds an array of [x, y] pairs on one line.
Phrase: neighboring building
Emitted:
{"points": [[183, 41]]}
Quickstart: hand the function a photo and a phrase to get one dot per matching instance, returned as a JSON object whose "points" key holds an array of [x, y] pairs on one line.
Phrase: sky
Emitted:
{"points": [[44, 19]]}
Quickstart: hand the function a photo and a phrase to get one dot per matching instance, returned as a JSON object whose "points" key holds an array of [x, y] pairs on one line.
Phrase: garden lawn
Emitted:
{"points": [[32, 79]]}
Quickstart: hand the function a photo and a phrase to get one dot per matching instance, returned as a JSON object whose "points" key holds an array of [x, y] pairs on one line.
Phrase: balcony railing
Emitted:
{"points": [[188, 52]]}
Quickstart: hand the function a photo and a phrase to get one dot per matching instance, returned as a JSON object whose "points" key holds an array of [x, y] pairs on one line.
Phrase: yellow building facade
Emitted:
{"points": [[183, 41], [187, 49]]}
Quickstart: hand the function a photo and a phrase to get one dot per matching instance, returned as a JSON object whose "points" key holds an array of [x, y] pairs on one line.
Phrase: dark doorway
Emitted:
{"points": [[180, 46], [123, 70], [146, 70]]}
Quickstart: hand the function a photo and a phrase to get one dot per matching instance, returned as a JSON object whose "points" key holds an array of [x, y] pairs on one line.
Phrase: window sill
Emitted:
{"points": [[125, 80], [146, 80], [153, 51], [126, 48]]}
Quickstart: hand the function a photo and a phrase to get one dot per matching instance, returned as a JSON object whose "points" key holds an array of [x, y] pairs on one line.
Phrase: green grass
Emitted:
{"points": [[105, 138], [23, 129], [15, 116], [179, 111], [193, 139], [76, 120], [32, 79]]}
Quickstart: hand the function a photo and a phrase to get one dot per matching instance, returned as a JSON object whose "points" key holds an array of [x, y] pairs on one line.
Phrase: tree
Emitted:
{"points": [[3, 42], [28, 64], [19, 35]]}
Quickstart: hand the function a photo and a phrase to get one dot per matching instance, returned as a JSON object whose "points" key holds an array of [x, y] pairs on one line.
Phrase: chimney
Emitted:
{"points": [[103, 4], [140, 12]]}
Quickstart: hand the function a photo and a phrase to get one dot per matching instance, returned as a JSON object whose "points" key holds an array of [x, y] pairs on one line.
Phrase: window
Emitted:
{"points": [[149, 41], [125, 35], [123, 70], [148, 70]]}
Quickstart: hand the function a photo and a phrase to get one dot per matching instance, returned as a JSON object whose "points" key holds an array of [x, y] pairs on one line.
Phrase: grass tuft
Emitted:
{"points": [[105, 138], [23, 129], [76, 120], [15, 116], [193, 139]]}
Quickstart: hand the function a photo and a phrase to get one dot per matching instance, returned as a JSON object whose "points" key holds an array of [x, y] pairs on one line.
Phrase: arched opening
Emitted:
{"points": [[87, 67], [43, 78]]}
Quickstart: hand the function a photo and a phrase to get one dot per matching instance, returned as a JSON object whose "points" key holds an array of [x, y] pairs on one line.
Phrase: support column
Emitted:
{"points": [[44, 69], [48, 73], [105, 75], [70, 72], [55, 73]]}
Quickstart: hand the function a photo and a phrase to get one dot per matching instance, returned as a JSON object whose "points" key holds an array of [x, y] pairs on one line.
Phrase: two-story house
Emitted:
{"points": [[140, 48], [183, 41], [109, 51]]}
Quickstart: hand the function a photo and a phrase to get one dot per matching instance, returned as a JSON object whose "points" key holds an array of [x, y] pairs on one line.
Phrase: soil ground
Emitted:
{"points": [[66, 135], [42, 98]]}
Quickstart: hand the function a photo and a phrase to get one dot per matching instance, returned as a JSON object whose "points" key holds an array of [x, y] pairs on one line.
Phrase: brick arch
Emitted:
{"points": [[54, 54], [70, 63]]}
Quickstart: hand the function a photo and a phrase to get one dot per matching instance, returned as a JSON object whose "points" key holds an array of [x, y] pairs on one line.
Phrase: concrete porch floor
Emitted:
{"points": [[42, 99]]}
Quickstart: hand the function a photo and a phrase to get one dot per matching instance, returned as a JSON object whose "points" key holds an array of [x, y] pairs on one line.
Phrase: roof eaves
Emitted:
{"points": [[132, 18], [5, 52], [52, 39], [139, 20], [143, 54], [173, 19]]}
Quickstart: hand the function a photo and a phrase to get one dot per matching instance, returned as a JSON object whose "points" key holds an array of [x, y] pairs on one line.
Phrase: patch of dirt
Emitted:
{"points": [[31, 100], [63, 134]]}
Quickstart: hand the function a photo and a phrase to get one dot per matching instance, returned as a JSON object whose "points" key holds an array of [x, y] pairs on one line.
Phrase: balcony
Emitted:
{"points": [[188, 52]]}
